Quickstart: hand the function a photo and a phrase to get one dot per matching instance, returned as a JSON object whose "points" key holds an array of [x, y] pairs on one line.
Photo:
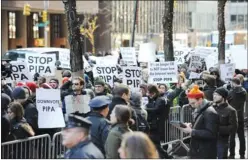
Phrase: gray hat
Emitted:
{"points": [[136, 98], [99, 102]]}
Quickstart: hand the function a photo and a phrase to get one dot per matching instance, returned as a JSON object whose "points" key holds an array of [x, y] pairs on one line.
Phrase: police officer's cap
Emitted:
{"points": [[99, 102], [77, 121]]}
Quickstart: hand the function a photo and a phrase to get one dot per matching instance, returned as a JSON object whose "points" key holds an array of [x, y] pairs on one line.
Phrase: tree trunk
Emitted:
{"points": [[74, 38], [168, 30], [222, 30]]}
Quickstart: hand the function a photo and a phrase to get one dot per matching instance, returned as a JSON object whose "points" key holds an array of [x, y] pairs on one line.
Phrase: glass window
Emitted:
{"points": [[233, 18], [56, 26], [35, 25], [12, 25], [241, 18]]}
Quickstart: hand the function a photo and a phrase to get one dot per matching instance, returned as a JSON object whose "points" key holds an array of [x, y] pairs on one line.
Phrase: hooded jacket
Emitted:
{"points": [[237, 98]]}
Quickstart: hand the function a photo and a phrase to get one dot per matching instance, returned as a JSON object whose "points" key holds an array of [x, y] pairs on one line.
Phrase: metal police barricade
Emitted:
{"points": [[37, 147], [57, 148]]}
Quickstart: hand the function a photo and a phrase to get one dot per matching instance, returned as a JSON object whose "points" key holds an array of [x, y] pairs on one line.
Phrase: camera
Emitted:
{"points": [[6, 70]]}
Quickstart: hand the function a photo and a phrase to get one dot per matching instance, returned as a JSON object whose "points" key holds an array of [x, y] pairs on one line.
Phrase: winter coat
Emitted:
{"points": [[208, 92], [99, 129], [7, 90], [228, 120], [84, 150], [158, 110], [204, 134], [219, 83], [114, 139], [183, 99], [237, 98], [5, 127], [115, 101]]}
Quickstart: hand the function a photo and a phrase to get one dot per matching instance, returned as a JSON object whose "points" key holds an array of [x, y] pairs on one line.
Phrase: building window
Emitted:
{"points": [[12, 25], [241, 18], [56, 26], [233, 18], [35, 25]]}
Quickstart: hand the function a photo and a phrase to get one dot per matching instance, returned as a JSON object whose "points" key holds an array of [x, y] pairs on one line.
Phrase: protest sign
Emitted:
{"points": [[41, 63], [194, 75], [206, 50], [106, 60], [197, 63], [49, 111], [132, 77], [64, 58], [145, 101], [179, 54], [128, 56], [239, 57], [87, 66], [20, 72], [147, 52], [107, 72], [227, 71], [77, 103], [162, 72]]}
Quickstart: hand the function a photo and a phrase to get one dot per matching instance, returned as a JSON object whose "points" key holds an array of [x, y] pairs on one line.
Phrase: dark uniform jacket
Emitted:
{"points": [[228, 120], [99, 129], [204, 133], [114, 139], [84, 150]]}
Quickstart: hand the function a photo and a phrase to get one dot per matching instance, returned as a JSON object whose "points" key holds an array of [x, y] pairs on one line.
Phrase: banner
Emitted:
{"points": [[107, 72], [132, 77], [147, 52], [227, 71], [20, 72], [41, 63], [197, 63], [162, 72], [49, 111], [128, 56]]}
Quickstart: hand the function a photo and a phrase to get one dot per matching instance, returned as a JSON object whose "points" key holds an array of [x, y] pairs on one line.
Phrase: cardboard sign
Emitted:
{"points": [[162, 72], [49, 110], [197, 63], [107, 60], [132, 77], [64, 58], [77, 103], [147, 52], [107, 72], [194, 75], [41, 63], [20, 72], [227, 71], [179, 54], [128, 56]]}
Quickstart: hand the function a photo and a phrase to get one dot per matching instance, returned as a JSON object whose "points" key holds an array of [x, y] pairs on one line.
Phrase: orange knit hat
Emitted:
{"points": [[195, 92]]}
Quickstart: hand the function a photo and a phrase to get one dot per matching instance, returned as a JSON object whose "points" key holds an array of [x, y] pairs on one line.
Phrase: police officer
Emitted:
{"points": [[100, 125], [76, 139]]}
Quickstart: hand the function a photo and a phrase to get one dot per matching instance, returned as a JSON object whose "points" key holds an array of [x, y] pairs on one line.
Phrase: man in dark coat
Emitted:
{"points": [[100, 125], [228, 121], [76, 139], [204, 132], [237, 98]]}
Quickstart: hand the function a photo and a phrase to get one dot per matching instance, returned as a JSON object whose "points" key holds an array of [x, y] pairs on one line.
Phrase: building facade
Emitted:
{"points": [[19, 31]]}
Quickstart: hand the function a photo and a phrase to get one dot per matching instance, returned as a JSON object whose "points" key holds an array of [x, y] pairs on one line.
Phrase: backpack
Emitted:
{"points": [[141, 124]]}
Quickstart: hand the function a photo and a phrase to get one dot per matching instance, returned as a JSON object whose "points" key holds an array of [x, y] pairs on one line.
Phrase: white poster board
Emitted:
{"points": [[87, 66], [206, 50], [197, 62], [49, 110], [227, 71], [194, 75], [179, 54], [132, 77], [44, 64], [77, 103], [107, 72], [162, 72], [106, 60], [239, 57], [147, 52], [128, 56], [64, 58], [20, 72]]}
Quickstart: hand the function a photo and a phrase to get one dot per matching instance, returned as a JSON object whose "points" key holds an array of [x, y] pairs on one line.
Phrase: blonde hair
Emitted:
{"points": [[137, 145]]}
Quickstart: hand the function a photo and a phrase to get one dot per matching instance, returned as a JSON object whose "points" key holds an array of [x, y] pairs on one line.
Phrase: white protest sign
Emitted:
{"points": [[87, 66], [179, 54], [107, 60], [132, 77], [206, 50], [41, 63], [77, 103], [227, 71], [49, 110], [145, 101], [162, 72], [147, 52], [107, 72], [197, 62], [239, 57], [20, 72], [128, 55], [64, 58], [194, 75]]}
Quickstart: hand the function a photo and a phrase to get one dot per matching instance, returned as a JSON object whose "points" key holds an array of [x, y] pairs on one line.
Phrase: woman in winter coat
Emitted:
{"points": [[119, 117]]}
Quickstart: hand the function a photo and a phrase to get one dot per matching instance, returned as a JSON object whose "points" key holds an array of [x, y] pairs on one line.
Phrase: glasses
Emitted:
{"points": [[76, 84]]}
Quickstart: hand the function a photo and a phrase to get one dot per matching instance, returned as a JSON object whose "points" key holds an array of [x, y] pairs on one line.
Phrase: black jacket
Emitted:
{"points": [[5, 127], [99, 129], [7, 90], [158, 112], [228, 120], [31, 114], [219, 83], [84, 150], [204, 134], [208, 92], [18, 131], [237, 98], [115, 101]]}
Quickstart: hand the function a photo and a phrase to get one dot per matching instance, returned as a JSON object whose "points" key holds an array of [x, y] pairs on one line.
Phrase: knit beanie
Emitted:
{"points": [[19, 93], [99, 81], [32, 86], [195, 92], [222, 91], [135, 99]]}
